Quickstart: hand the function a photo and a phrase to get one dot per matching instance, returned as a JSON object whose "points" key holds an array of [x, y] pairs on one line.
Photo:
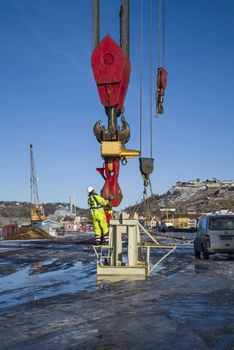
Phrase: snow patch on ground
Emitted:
{"points": [[184, 193]]}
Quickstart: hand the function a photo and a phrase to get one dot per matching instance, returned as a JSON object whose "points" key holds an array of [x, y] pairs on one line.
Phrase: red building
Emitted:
{"points": [[9, 230]]}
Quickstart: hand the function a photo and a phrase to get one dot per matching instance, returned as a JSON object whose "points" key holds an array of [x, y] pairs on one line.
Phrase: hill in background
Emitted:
{"points": [[202, 199], [197, 196]]}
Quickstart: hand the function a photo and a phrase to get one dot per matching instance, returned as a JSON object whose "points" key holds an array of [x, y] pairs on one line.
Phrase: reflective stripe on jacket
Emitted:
{"points": [[96, 201]]}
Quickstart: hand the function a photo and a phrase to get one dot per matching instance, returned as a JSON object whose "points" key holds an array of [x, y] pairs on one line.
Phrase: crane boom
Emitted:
{"points": [[33, 179]]}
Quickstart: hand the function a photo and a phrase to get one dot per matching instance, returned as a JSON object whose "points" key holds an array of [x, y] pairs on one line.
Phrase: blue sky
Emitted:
{"points": [[48, 96]]}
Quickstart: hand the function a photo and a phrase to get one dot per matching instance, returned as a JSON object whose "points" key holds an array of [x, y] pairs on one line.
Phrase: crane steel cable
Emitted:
{"points": [[162, 73], [146, 164], [151, 108], [159, 32], [150, 81], [137, 206], [140, 76], [124, 26], [95, 23], [163, 35]]}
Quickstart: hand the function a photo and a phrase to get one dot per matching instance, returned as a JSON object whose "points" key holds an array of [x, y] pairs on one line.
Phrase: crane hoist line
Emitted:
{"points": [[162, 73], [37, 210], [111, 69]]}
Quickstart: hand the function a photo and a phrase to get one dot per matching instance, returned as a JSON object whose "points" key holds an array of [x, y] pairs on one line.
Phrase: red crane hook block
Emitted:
{"points": [[111, 70], [111, 187]]}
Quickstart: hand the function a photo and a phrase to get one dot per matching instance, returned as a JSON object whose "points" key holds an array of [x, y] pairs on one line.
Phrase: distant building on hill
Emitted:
{"points": [[213, 183], [209, 183]]}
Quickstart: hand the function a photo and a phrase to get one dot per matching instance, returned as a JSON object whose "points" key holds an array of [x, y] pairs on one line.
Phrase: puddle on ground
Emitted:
{"points": [[29, 284]]}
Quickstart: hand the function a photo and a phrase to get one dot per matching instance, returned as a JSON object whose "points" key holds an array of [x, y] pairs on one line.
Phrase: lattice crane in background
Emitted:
{"points": [[37, 210]]}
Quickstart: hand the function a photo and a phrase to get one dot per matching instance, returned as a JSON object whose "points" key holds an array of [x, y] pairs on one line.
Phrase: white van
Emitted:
{"points": [[215, 234]]}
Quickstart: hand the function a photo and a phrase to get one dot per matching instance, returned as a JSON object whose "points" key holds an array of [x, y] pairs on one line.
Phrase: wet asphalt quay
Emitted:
{"points": [[50, 298]]}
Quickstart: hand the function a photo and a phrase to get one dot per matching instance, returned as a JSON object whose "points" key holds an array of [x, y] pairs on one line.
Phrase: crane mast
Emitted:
{"points": [[33, 179], [37, 210]]}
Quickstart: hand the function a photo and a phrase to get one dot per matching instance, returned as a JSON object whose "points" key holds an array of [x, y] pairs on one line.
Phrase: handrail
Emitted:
{"points": [[148, 234], [158, 245], [160, 260]]}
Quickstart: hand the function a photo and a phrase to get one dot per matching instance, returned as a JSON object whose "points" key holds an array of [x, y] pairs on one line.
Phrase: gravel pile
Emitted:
{"points": [[30, 232]]}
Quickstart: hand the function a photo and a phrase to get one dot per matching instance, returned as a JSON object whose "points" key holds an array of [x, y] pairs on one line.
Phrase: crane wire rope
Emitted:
{"points": [[144, 199], [140, 76], [137, 206], [161, 33], [163, 43], [150, 80], [151, 106]]}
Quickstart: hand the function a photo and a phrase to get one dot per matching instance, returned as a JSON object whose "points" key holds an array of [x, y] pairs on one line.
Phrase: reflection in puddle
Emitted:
{"points": [[30, 283]]}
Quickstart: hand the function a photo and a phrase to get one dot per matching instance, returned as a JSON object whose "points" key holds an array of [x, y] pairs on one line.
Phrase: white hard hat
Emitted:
{"points": [[90, 189]]}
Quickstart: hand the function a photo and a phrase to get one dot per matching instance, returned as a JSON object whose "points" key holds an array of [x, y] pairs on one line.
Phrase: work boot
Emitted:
{"points": [[97, 240], [106, 239]]}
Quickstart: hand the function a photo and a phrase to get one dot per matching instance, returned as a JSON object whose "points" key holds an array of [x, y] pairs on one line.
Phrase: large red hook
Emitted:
{"points": [[111, 187]]}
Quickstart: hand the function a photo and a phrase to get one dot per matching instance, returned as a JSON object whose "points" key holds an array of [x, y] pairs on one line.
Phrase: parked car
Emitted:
{"points": [[165, 227], [215, 234]]}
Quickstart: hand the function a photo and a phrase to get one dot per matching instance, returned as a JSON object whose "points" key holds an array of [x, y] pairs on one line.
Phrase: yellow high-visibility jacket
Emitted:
{"points": [[96, 204], [96, 201]]}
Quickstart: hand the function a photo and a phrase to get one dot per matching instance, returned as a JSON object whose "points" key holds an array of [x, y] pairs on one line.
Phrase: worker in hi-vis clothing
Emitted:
{"points": [[96, 205]]}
